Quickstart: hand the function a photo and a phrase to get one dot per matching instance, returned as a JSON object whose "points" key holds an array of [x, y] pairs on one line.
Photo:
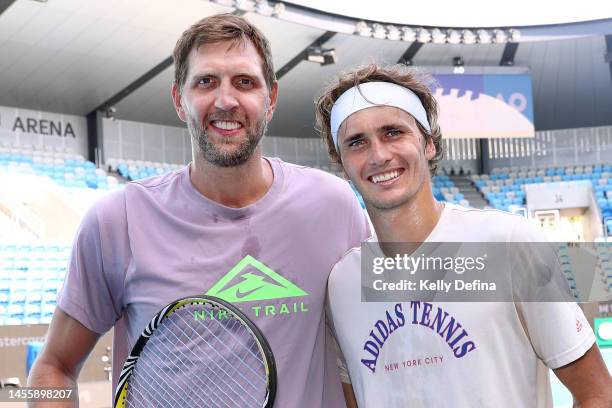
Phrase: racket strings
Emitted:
{"points": [[180, 372], [187, 363], [223, 359]]}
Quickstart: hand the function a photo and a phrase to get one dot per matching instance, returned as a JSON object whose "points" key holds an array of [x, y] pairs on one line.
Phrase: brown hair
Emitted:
{"points": [[398, 74], [218, 28]]}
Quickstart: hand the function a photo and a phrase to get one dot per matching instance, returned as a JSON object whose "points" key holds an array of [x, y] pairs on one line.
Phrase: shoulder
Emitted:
{"points": [[112, 206], [157, 182], [492, 225], [348, 264], [322, 182]]}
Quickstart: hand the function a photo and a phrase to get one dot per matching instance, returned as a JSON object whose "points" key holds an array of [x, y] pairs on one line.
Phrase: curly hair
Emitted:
{"points": [[398, 74]]}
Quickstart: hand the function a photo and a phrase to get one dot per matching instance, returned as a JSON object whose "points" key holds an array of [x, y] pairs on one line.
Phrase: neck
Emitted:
{"points": [[236, 186], [411, 222]]}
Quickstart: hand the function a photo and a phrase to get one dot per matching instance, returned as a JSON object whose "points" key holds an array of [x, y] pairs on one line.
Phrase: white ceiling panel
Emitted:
{"points": [[17, 16], [67, 31], [71, 56]]}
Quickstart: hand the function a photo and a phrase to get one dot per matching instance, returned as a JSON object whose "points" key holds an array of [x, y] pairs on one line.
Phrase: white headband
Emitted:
{"points": [[371, 94]]}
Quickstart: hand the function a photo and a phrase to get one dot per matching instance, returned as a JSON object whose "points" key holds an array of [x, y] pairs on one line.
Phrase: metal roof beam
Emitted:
{"points": [[410, 53], [507, 59], [4, 4]]}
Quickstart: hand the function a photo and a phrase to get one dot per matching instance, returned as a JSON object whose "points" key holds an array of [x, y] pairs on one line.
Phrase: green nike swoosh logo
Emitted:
{"points": [[264, 283]]}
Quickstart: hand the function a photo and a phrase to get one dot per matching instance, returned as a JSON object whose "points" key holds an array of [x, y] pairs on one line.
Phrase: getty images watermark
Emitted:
{"points": [[481, 272]]}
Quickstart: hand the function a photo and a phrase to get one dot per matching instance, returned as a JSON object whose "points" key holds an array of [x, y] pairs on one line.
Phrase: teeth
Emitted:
{"points": [[379, 178], [226, 125]]}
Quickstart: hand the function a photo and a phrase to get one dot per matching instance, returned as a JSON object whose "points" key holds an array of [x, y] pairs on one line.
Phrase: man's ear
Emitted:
{"points": [[273, 99], [178, 104], [430, 148]]}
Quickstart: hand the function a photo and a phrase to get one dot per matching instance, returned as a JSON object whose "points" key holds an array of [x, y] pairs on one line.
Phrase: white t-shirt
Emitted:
{"points": [[402, 355]]}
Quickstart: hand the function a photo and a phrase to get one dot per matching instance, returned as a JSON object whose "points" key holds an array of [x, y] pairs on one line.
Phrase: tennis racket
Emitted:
{"points": [[201, 352]]}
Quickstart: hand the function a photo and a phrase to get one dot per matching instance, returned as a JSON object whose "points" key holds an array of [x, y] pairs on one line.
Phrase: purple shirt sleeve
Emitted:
{"points": [[93, 288]]}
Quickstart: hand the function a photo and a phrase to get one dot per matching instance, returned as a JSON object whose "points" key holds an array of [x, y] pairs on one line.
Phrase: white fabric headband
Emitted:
{"points": [[371, 94]]}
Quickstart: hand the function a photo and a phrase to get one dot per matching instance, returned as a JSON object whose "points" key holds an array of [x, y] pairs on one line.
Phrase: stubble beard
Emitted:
{"points": [[212, 153]]}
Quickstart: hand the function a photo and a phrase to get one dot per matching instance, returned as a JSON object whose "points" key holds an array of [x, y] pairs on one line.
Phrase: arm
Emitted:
{"points": [[349, 395], [66, 349], [588, 380]]}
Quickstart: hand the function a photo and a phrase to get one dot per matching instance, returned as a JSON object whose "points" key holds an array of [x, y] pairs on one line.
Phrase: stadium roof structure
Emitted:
{"points": [[76, 57]]}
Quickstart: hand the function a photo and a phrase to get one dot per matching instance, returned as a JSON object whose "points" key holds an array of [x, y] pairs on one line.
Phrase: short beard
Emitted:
{"points": [[212, 154]]}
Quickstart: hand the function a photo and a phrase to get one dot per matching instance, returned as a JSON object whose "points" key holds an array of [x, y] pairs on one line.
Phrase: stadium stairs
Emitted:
{"points": [[469, 191]]}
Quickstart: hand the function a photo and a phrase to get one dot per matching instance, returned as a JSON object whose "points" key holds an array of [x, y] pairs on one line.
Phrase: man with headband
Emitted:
{"points": [[380, 124]]}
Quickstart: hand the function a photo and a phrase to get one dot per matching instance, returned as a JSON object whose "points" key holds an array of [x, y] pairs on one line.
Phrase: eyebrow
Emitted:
{"points": [[391, 126], [353, 138]]}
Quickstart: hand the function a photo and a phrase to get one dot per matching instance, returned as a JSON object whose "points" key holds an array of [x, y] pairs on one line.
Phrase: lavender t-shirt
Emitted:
{"points": [[159, 239]]}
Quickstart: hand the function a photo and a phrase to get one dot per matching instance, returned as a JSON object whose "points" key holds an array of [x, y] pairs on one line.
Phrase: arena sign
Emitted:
{"points": [[42, 130], [43, 127], [485, 106]]}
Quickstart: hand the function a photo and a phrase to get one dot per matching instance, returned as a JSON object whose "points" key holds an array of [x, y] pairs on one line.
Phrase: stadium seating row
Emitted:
{"points": [[137, 169], [71, 173], [30, 277]]}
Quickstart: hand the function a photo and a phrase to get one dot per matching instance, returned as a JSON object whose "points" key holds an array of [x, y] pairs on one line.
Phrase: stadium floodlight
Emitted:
{"points": [[423, 35], [484, 36], [393, 33], [408, 34], [499, 36], [468, 37], [437, 36], [323, 56], [363, 29], [246, 5], [515, 34], [379, 31], [454, 36], [278, 9], [263, 7]]}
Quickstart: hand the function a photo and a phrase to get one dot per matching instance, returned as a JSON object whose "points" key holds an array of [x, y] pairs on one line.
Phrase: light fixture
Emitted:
{"points": [[393, 33], [437, 36], [347, 25], [408, 34], [262, 7], [323, 56], [454, 36], [362, 28], [423, 36], [515, 34], [484, 37], [246, 5], [278, 9], [458, 65], [499, 36], [110, 112], [379, 31], [468, 37]]}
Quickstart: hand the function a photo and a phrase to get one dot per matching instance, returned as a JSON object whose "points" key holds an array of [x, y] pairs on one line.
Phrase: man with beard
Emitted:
{"points": [[254, 231]]}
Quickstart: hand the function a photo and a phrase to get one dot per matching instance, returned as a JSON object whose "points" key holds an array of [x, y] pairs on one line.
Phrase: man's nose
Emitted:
{"points": [[226, 99], [379, 153]]}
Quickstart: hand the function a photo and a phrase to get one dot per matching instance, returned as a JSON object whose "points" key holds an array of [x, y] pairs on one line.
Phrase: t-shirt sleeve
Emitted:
{"points": [[360, 228], [341, 362], [92, 292], [559, 331]]}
